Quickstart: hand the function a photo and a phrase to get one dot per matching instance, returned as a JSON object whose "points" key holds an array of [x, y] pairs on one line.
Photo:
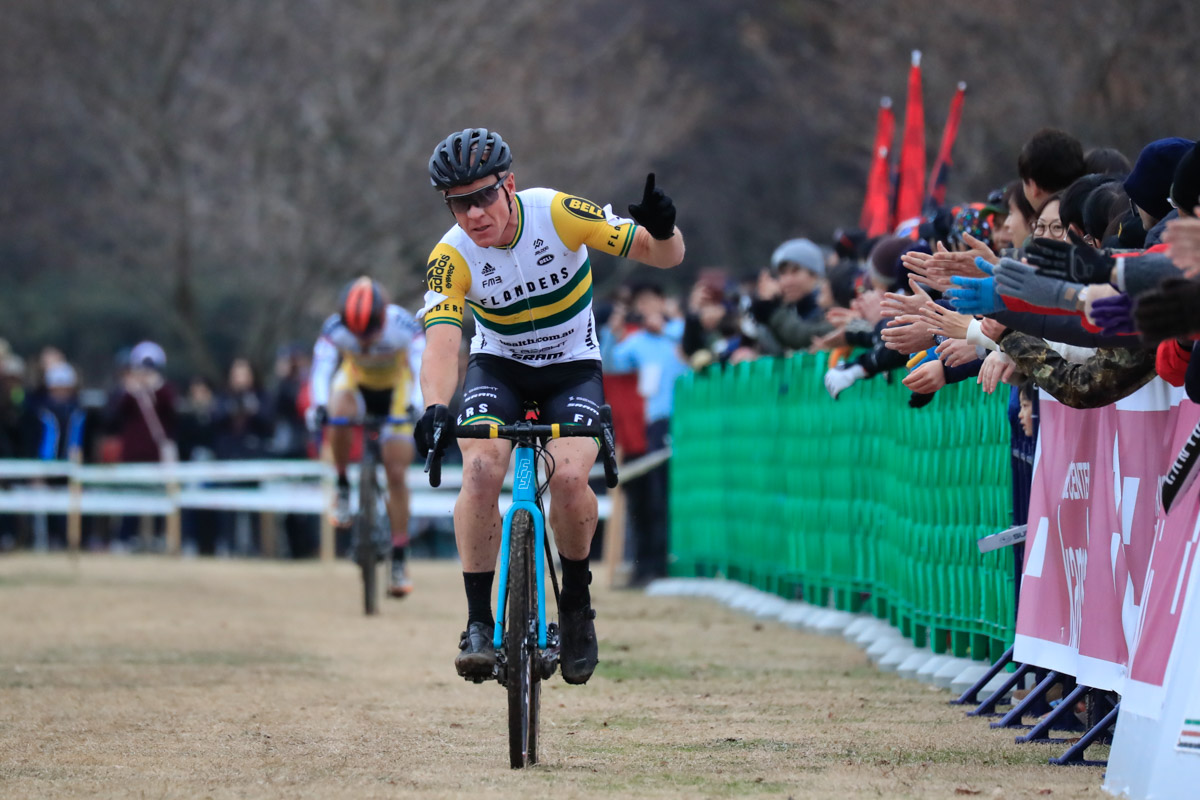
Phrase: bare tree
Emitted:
{"points": [[210, 171]]}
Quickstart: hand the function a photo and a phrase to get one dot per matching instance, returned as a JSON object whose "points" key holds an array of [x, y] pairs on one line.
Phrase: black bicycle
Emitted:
{"points": [[527, 649], [371, 536]]}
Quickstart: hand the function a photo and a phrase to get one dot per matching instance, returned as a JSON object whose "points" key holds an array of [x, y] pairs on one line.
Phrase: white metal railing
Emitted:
{"points": [[284, 487]]}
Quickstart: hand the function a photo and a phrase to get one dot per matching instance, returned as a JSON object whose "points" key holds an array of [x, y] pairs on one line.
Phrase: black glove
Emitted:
{"points": [[435, 417], [762, 310], [656, 212], [316, 418], [1168, 311], [1077, 263]]}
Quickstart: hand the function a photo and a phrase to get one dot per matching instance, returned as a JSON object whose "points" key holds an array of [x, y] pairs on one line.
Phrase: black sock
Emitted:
{"points": [[399, 552], [575, 580], [342, 481], [479, 596]]}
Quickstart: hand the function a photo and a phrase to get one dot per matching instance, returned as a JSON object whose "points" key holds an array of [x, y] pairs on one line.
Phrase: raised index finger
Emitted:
{"points": [[649, 187]]}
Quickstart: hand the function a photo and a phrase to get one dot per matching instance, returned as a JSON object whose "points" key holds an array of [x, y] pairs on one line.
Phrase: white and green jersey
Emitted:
{"points": [[532, 298]]}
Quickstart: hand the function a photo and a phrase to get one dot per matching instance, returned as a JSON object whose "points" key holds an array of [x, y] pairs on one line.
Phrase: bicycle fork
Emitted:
{"points": [[524, 497]]}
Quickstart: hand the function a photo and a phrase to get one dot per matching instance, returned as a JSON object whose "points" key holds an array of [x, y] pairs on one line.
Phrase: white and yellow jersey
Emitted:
{"points": [[532, 299], [388, 362]]}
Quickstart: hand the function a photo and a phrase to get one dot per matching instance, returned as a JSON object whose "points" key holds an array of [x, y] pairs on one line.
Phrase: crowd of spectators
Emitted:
{"points": [[1078, 277], [142, 418]]}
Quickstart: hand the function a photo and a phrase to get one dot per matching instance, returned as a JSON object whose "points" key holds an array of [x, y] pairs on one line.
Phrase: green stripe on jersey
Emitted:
{"points": [[530, 325], [547, 299]]}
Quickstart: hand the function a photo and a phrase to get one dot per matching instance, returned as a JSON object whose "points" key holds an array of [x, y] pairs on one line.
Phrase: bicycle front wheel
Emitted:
{"points": [[520, 643], [365, 551]]}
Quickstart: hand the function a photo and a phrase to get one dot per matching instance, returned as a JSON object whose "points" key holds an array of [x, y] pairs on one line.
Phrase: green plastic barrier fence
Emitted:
{"points": [[860, 504]]}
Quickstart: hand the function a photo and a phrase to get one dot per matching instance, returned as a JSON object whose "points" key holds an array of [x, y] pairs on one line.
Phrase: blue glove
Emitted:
{"points": [[974, 295], [985, 265]]}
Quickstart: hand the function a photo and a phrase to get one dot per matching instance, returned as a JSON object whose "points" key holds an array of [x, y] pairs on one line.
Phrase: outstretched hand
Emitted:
{"points": [[956, 352], [896, 305], [964, 262], [927, 377], [1114, 314], [938, 269], [997, 368], [945, 322], [907, 333], [656, 212], [974, 295], [1015, 279], [1168, 311], [1183, 236], [921, 264]]}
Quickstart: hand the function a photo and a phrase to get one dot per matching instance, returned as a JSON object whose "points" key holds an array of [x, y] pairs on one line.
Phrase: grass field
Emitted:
{"points": [[146, 677]]}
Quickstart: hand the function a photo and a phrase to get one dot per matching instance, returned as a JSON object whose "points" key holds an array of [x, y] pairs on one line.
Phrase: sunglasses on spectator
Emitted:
{"points": [[1055, 229], [483, 197]]}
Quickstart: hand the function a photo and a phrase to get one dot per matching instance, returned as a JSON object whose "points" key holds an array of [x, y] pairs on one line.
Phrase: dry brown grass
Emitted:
{"points": [[150, 678]]}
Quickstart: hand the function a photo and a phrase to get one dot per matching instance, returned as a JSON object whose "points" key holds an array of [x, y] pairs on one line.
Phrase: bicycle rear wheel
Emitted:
{"points": [[520, 643], [365, 551]]}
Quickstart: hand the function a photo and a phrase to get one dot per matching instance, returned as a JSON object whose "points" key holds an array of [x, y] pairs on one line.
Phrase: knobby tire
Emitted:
{"points": [[364, 549], [520, 643]]}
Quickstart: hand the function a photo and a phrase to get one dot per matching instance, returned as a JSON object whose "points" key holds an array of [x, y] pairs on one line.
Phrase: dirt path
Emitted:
{"points": [[146, 677]]}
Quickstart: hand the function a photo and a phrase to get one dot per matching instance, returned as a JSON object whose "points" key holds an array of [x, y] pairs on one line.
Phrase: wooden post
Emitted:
{"points": [[146, 533], [74, 504], [267, 529], [174, 521], [327, 534], [169, 454]]}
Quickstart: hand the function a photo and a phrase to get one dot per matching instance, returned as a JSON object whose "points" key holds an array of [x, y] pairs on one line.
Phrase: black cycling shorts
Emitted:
{"points": [[496, 390]]}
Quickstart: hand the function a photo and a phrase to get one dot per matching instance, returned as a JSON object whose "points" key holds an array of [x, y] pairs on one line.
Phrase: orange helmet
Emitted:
{"points": [[363, 306]]}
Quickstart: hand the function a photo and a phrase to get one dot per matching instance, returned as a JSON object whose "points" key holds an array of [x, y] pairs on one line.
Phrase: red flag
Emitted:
{"points": [[877, 204], [911, 192], [941, 168]]}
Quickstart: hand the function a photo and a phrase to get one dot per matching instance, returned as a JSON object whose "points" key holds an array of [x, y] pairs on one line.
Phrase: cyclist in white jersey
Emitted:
{"points": [[519, 260], [365, 359]]}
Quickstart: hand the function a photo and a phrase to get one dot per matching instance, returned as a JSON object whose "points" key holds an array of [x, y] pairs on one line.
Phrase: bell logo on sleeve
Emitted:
{"points": [[584, 209]]}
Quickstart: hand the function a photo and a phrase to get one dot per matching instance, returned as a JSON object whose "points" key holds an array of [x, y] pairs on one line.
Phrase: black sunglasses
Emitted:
{"points": [[484, 197]]}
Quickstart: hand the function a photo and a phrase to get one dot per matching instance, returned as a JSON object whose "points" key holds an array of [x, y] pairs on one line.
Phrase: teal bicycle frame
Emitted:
{"points": [[524, 497], [522, 670]]}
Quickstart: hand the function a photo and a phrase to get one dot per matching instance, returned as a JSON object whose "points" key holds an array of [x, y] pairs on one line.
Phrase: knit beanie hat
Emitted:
{"points": [[974, 219], [1150, 181], [1185, 189], [884, 261], [801, 252]]}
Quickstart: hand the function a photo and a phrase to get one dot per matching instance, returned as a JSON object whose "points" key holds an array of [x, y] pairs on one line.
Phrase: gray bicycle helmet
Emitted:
{"points": [[467, 156]]}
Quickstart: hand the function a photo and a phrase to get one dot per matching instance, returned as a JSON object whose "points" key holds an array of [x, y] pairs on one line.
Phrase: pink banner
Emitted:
{"points": [[1105, 569]]}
